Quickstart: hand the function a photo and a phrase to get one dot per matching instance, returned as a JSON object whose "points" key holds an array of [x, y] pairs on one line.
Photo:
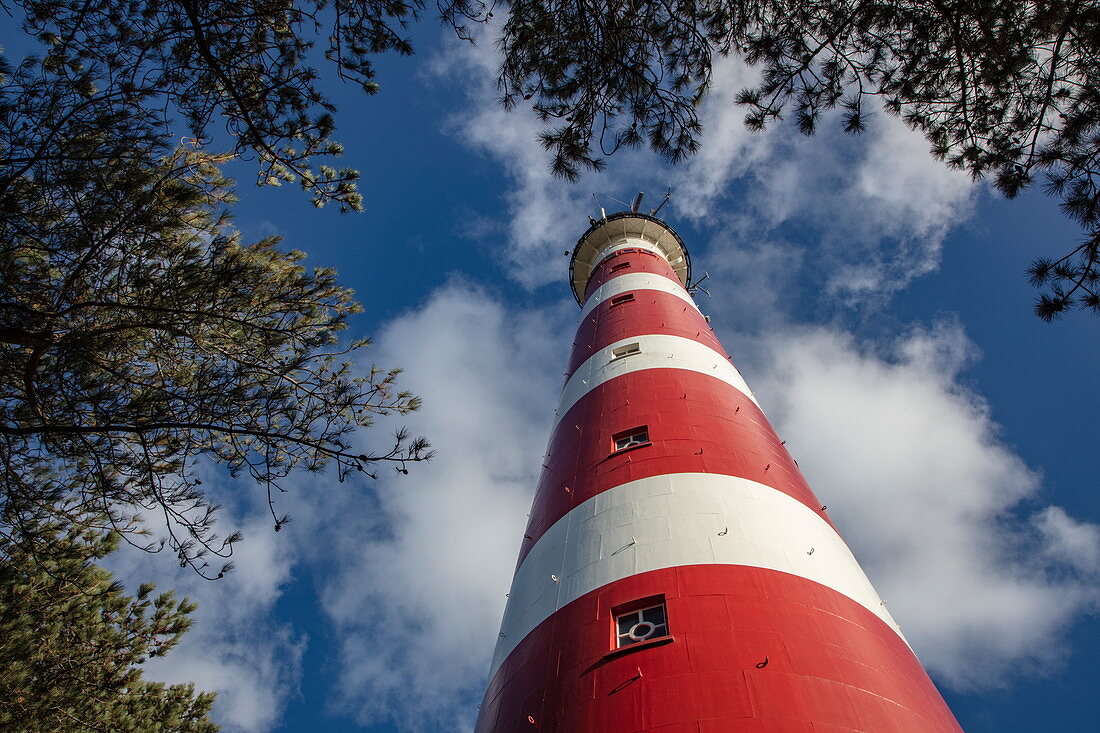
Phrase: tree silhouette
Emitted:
{"points": [[72, 643], [1002, 89], [138, 334]]}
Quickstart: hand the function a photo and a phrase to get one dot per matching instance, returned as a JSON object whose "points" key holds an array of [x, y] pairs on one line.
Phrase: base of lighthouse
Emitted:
{"points": [[773, 664]]}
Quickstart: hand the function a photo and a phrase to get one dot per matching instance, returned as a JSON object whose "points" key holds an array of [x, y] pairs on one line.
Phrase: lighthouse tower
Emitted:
{"points": [[677, 573]]}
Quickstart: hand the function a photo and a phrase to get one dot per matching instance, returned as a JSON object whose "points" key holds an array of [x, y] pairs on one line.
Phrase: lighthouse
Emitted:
{"points": [[677, 573]]}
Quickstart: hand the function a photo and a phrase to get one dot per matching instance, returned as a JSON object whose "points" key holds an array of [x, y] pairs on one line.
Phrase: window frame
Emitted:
{"points": [[638, 607], [640, 432]]}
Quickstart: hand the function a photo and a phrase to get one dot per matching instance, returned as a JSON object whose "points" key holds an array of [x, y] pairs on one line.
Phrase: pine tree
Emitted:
{"points": [[251, 65], [1002, 89], [140, 335], [72, 643]]}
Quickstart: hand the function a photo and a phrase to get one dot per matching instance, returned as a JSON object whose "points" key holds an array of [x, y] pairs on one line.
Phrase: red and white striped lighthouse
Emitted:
{"points": [[677, 573]]}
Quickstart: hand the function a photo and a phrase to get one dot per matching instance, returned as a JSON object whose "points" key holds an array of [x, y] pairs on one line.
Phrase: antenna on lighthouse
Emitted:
{"points": [[697, 286], [603, 212], [668, 195], [637, 202]]}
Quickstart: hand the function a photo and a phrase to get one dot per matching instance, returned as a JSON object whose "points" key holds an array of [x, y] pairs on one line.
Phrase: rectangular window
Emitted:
{"points": [[641, 624], [631, 438], [620, 299], [626, 350], [620, 266]]}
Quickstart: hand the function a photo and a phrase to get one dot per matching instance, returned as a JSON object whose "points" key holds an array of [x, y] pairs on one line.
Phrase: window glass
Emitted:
{"points": [[625, 622], [655, 615], [641, 625], [631, 438]]}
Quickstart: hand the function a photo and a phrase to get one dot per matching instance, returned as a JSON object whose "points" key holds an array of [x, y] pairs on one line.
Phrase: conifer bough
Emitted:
{"points": [[72, 643], [1002, 89], [139, 335]]}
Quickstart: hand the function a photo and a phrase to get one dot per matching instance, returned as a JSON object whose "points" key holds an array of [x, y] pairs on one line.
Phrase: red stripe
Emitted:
{"points": [[651, 312], [697, 423], [831, 664], [640, 261]]}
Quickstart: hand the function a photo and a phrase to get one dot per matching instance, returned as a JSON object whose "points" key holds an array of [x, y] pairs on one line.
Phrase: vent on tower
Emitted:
{"points": [[620, 299], [626, 350]]}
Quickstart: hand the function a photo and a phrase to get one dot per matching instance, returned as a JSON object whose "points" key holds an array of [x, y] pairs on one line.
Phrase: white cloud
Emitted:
{"points": [[872, 212], [729, 149], [910, 461], [879, 205], [900, 201], [421, 580], [910, 193], [916, 475], [1069, 541]]}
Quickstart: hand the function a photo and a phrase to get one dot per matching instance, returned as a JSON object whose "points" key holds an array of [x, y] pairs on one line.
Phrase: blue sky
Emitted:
{"points": [[875, 301]]}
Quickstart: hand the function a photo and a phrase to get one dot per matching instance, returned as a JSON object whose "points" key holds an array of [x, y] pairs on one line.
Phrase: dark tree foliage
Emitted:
{"points": [[1000, 88], [72, 643], [138, 334], [250, 64]]}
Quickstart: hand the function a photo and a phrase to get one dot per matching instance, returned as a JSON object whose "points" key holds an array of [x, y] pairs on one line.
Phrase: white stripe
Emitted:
{"points": [[635, 281], [626, 244], [670, 521], [658, 351], [638, 244]]}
